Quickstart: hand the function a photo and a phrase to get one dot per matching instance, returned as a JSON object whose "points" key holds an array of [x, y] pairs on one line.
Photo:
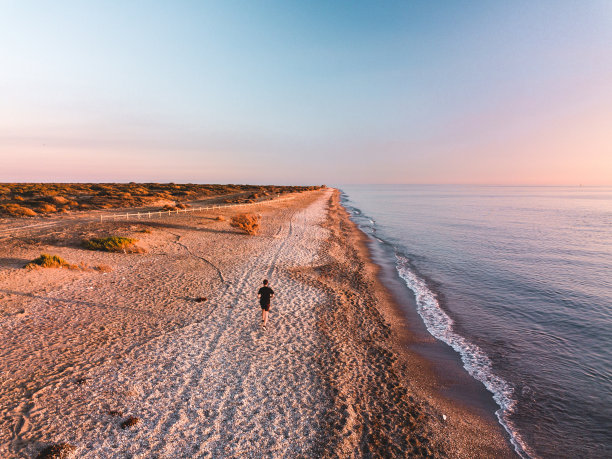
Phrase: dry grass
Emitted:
{"points": [[31, 199], [249, 223], [50, 261], [113, 244]]}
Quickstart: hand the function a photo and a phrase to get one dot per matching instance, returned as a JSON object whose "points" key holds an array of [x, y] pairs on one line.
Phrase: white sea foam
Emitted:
{"points": [[475, 361]]}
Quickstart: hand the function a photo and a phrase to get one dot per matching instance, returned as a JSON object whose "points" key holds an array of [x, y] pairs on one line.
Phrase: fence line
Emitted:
{"points": [[162, 213]]}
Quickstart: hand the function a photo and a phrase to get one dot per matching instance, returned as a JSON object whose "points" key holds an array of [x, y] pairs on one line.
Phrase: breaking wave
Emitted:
{"points": [[475, 361]]}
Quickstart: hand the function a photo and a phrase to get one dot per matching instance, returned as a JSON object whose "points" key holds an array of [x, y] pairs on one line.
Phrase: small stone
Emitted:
{"points": [[129, 422]]}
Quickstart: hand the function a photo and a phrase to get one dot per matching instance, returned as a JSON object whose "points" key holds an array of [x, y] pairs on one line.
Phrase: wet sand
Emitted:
{"points": [[82, 351]]}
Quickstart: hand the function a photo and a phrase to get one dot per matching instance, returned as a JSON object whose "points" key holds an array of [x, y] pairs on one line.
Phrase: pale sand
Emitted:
{"points": [[203, 378]]}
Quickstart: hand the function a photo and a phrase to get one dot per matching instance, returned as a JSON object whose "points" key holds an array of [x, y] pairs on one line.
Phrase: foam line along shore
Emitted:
{"points": [[389, 390]]}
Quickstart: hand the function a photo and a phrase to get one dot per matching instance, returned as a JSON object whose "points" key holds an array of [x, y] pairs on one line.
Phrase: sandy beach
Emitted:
{"points": [[84, 350]]}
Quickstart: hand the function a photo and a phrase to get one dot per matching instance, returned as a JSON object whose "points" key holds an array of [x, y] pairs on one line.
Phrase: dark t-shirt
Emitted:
{"points": [[265, 293]]}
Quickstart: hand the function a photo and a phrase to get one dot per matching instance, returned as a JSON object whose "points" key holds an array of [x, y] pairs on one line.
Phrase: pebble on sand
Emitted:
{"points": [[129, 422]]}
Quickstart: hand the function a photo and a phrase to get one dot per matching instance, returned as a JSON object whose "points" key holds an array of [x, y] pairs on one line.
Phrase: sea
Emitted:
{"points": [[517, 281]]}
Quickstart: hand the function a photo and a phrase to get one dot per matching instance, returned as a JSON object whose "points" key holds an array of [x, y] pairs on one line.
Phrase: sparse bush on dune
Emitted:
{"points": [[49, 261], [59, 200], [46, 209], [249, 223], [113, 244], [15, 210]]}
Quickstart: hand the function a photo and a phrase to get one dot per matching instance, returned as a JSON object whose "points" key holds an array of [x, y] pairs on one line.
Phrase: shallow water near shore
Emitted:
{"points": [[515, 280]]}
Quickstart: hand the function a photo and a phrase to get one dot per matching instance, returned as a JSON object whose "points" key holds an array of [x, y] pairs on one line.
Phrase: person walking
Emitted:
{"points": [[265, 293]]}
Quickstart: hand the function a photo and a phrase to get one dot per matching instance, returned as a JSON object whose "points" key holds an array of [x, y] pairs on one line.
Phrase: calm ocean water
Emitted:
{"points": [[518, 280]]}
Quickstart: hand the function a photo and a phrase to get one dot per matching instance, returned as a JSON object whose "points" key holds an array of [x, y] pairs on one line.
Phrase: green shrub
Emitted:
{"points": [[49, 261], [113, 244]]}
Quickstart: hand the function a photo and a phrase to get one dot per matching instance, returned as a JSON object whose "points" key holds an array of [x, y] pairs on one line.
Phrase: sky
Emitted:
{"points": [[307, 92]]}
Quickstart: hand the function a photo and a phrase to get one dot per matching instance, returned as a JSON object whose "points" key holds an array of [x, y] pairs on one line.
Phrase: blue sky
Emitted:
{"points": [[307, 92]]}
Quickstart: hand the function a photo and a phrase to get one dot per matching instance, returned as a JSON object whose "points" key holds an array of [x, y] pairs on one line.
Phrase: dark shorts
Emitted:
{"points": [[265, 306]]}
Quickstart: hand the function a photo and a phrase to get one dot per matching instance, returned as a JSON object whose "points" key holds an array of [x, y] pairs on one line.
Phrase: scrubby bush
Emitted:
{"points": [[113, 244], [85, 196], [46, 209], [249, 223], [15, 210], [49, 261], [220, 218], [59, 200]]}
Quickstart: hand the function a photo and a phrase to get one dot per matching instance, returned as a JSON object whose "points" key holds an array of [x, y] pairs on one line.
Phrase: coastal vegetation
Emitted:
{"points": [[249, 223], [49, 261], [32, 199], [16, 210], [113, 244]]}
